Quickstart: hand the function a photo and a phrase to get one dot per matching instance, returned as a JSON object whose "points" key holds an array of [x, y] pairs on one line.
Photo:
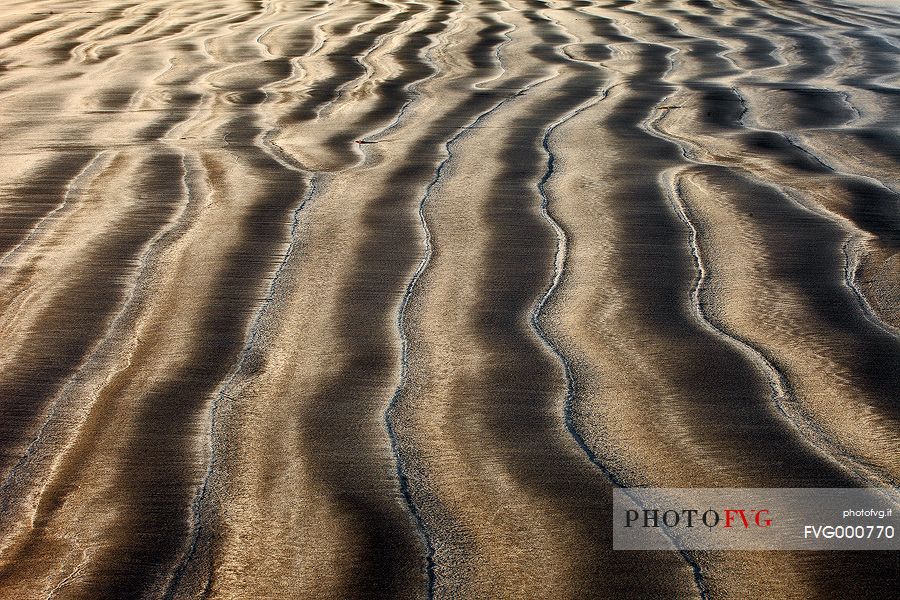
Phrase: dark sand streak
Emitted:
{"points": [[516, 388], [826, 255], [479, 63], [76, 318], [571, 385], [416, 70], [18, 475], [392, 234], [156, 449], [875, 207]]}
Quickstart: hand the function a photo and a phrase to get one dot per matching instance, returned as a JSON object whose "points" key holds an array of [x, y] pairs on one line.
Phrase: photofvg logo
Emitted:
{"points": [[755, 519], [692, 517]]}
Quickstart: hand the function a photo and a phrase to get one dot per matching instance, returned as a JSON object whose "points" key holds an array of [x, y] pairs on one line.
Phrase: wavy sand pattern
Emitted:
{"points": [[381, 298]]}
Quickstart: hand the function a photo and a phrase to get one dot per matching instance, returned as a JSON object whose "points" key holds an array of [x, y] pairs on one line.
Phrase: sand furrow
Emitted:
{"points": [[411, 59], [71, 317], [737, 371], [864, 203], [202, 371], [496, 402]]}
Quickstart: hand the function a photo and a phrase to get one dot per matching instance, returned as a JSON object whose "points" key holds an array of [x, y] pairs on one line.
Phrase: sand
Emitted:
{"points": [[338, 299]]}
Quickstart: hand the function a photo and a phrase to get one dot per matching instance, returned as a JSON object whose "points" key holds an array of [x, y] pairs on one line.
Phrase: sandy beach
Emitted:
{"points": [[382, 299]]}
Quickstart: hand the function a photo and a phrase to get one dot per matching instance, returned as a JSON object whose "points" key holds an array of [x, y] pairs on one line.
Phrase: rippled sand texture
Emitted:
{"points": [[584, 244]]}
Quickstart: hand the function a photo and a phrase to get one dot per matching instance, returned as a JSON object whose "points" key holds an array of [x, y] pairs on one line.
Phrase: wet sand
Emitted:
{"points": [[381, 299]]}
